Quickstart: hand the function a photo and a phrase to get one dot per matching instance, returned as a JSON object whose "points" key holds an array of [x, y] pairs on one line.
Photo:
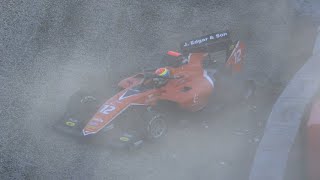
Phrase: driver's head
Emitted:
{"points": [[163, 72]]}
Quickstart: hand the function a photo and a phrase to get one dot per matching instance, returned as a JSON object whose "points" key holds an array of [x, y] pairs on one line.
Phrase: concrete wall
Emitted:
{"points": [[282, 127]]}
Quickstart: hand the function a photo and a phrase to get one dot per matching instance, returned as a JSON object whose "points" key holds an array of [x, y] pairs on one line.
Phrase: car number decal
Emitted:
{"points": [[107, 109], [237, 56]]}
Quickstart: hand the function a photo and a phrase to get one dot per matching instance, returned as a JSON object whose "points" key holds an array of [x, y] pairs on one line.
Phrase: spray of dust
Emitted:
{"points": [[96, 43]]}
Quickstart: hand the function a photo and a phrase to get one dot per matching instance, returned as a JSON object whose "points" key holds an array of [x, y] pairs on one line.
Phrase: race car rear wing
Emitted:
{"points": [[210, 43], [217, 42]]}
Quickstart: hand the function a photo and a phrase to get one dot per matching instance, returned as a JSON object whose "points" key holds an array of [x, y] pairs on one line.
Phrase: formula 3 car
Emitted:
{"points": [[135, 115]]}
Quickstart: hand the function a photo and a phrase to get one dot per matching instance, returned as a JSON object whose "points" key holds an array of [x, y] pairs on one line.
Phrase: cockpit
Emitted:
{"points": [[148, 82], [172, 59]]}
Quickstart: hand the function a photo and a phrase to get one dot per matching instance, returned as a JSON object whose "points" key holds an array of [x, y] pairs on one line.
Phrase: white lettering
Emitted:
{"points": [[221, 35], [198, 41], [107, 109], [237, 56]]}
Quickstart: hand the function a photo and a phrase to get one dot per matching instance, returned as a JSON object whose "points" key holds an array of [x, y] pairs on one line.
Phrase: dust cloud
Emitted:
{"points": [[51, 49]]}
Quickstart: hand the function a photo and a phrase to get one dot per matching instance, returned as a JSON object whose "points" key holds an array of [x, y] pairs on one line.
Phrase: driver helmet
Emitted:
{"points": [[163, 72]]}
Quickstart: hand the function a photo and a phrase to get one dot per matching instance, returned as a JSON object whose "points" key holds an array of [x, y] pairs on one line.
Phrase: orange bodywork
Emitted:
{"points": [[190, 90], [194, 77], [235, 61], [313, 142]]}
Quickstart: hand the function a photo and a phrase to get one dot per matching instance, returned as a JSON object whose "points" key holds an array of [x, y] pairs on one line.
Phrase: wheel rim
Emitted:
{"points": [[157, 127]]}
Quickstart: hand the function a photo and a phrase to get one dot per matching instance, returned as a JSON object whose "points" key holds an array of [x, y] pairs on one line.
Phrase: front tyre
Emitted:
{"points": [[156, 127], [80, 108], [82, 105]]}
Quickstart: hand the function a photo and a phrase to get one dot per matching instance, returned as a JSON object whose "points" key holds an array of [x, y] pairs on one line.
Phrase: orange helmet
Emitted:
{"points": [[163, 72]]}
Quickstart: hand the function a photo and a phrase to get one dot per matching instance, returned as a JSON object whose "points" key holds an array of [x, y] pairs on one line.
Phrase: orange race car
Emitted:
{"points": [[186, 80]]}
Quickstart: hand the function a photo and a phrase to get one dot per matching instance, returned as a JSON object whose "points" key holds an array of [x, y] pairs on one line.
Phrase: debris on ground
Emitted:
{"points": [[241, 132], [254, 140], [205, 124], [260, 124]]}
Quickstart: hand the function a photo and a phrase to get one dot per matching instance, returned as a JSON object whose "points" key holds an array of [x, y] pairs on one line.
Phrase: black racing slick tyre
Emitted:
{"points": [[156, 126]]}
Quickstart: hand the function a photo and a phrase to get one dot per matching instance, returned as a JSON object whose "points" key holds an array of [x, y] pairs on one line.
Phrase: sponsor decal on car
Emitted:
{"points": [[71, 124], [205, 39], [125, 139], [91, 127], [93, 123], [237, 54]]}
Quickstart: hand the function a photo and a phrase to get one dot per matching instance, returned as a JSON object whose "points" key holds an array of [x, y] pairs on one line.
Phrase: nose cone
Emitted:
{"points": [[87, 132], [104, 116], [109, 110]]}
